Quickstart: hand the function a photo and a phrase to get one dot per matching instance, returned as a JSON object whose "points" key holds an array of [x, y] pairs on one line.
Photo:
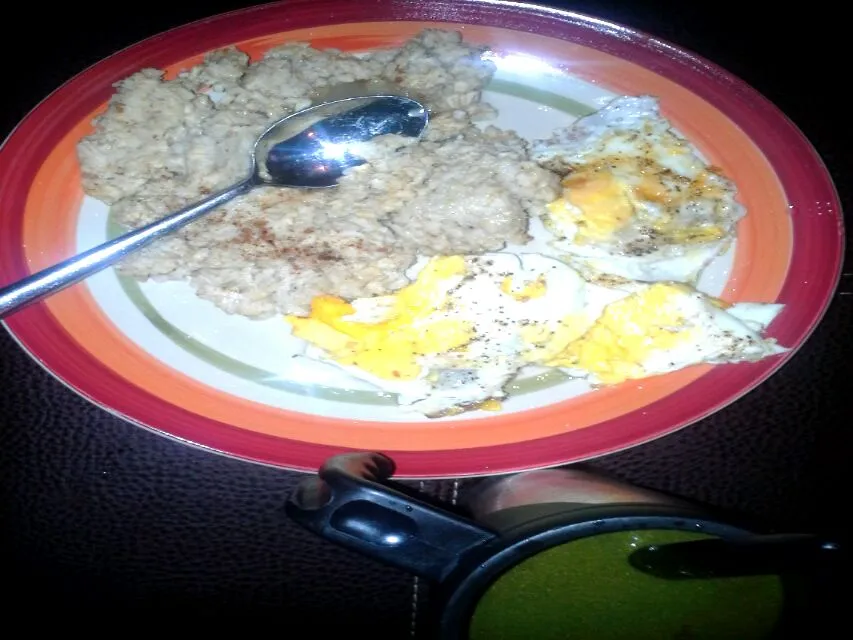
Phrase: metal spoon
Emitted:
{"points": [[311, 148]]}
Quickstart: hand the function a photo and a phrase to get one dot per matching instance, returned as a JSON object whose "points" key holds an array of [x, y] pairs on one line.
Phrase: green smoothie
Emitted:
{"points": [[587, 589]]}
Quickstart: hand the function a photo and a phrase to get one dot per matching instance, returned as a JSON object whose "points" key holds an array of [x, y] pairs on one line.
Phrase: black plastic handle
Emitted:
{"points": [[352, 502]]}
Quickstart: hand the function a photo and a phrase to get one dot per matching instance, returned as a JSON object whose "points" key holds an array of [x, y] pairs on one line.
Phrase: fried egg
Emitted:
{"points": [[467, 325], [664, 327], [638, 200], [454, 337]]}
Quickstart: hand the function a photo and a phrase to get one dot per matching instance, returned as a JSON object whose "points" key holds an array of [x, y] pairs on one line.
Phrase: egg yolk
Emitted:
{"points": [[596, 202], [527, 291], [695, 235], [411, 326], [544, 341], [627, 332], [602, 198]]}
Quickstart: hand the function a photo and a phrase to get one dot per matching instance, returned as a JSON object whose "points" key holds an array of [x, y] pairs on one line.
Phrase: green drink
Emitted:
{"points": [[587, 588]]}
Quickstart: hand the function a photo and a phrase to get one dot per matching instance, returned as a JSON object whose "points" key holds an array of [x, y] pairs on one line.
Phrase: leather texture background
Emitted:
{"points": [[98, 516]]}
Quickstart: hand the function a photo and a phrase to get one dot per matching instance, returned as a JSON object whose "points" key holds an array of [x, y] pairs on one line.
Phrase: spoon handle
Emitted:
{"points": [[44, 283]]}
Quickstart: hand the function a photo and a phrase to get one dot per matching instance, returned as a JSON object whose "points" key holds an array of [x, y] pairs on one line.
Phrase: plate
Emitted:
{"points": [[159, 357]]}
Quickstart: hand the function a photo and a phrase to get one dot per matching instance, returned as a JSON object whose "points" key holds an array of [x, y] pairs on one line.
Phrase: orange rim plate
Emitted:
{"points": [[789, 247]]}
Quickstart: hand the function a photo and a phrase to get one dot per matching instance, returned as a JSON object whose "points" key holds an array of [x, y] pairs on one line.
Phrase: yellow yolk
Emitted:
{"points": [[626, 333], [717, 302], [694, 235], [599, 202], [651, 188], [545, 343], [389, 348], [490, 405], [596, 202], [528, 291]]}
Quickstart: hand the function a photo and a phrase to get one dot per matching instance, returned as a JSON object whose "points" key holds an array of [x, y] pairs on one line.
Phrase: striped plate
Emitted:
{"points": [[161, 358]]}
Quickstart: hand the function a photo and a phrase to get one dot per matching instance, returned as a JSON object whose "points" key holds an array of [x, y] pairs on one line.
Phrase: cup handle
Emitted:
{"points": [[353, 503]]}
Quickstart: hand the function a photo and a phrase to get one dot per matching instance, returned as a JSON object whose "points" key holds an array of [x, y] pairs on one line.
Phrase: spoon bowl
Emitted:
{"points": [[296, 152], [312, 148]]}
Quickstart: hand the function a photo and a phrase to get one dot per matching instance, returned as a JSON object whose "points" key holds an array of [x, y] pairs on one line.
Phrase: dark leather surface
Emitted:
{"points": [[100, 516]]}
